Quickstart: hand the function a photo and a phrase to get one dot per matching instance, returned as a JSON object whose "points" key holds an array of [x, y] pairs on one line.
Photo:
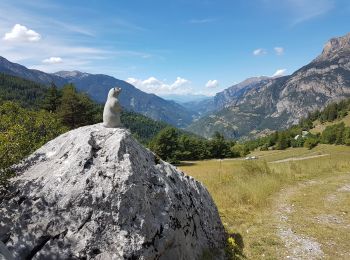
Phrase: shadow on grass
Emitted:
{"points": [[185, 164]]}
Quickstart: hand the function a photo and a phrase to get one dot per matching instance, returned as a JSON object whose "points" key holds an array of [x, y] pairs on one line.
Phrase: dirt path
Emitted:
{"points": [[298, 246], [300, 158], [311, 219]]}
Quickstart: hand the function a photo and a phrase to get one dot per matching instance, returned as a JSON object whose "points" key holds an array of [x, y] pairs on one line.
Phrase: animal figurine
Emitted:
{"points": [[112, 109]]}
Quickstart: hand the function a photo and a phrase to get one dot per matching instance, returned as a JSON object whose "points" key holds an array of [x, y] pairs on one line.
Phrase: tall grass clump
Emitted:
{"points": [[257, 181]]}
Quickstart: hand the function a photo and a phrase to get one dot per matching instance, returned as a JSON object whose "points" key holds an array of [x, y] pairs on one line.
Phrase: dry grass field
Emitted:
{"points": [[276, 203]]}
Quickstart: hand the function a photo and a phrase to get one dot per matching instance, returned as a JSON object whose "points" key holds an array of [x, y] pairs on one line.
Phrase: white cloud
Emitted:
{"points": [[279, 50], [299, 11], [201, 21], [179, 82], [156, 86], [22, 34], [62, 39], [73, 28], [212, 83], [259, 52], [306, 10], [53, 60], [279, 73]]}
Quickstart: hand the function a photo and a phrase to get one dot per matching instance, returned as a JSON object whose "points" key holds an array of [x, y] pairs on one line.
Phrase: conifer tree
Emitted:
{"points": [[52, 99]]}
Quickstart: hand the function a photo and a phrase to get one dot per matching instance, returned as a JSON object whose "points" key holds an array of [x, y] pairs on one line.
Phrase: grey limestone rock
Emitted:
{"points": [[96, 193]]}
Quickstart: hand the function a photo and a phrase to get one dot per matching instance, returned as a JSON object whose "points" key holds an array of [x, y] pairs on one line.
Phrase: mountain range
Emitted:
{"points": [[97, 87], [260, 105], [254, 107]]}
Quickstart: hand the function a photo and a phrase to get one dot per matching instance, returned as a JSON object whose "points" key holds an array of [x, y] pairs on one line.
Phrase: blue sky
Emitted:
{"points": [[171, 47]]}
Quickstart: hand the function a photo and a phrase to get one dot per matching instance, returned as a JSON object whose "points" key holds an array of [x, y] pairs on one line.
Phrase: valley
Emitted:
{"points": [[190, 130], [255, 107]]}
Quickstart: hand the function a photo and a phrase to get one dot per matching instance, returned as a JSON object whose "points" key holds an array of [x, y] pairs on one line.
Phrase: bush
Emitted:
{"points": [[22, 131], [239, 150], [234, 247], [311, 142]]}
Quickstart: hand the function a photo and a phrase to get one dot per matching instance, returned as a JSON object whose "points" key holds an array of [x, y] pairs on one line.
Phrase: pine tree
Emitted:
{"points": [[69, 108], [282, 142], [219, 147], [52, 99]]}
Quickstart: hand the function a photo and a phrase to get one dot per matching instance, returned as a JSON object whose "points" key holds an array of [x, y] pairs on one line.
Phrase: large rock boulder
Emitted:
{"points": [[96, 193]]}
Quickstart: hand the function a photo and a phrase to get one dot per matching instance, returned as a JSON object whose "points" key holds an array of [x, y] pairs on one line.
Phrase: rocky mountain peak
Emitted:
{"points": [[96, 193], [230, 95], [71, 74], [335, 46], [251, 80]]}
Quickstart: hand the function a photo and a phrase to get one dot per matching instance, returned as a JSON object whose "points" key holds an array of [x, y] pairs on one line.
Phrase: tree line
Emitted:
{"points": [[173, 146]]}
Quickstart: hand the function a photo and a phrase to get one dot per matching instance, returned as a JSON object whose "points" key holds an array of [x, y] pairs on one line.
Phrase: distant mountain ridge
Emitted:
{"points": [[21, 71], [98, 85], [224, 98], [276, 103]]}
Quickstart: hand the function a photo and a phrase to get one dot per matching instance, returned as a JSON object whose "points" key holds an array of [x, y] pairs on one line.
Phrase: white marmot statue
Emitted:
{"points": [[112, 109]]}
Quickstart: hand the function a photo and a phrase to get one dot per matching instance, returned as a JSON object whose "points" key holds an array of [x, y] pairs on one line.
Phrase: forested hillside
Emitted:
{"points": [[330, 120], [24, 92]]}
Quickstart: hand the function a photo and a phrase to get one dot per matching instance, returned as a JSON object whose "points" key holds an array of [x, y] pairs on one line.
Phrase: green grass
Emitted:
{"points": [[244, 190]]}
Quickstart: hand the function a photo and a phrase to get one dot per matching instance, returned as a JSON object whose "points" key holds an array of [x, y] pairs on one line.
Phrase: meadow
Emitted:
{"points": [[251, 196]]}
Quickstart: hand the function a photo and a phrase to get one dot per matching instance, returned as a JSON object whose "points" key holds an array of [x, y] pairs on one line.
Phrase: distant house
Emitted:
{"points": [[303, 135]]}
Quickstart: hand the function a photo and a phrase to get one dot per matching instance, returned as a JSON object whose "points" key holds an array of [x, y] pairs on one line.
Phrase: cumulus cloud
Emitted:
{"points": [[279, 73], [259, 52], [53, 60], [212, 83], [156, 86], [279, 50], [21, 33]]}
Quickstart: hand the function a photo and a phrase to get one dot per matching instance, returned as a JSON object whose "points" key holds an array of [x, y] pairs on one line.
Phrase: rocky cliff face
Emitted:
{"points": [[230, 95], [278, 103], [335, 48], [95, 193]]}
